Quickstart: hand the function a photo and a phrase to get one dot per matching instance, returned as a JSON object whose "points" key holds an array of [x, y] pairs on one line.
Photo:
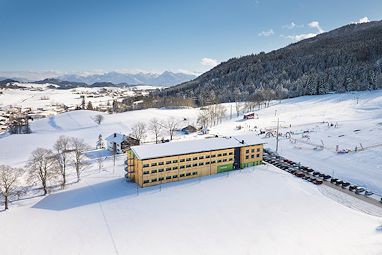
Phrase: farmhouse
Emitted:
{"points": [[120, 142], [154, 164]]}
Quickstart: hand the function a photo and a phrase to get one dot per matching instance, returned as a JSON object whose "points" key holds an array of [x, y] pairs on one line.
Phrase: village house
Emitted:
{"points": [[120, 142], [154, 164]]}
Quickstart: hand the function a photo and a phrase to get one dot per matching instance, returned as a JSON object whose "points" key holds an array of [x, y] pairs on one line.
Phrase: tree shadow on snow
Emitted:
{"points": [[90, 194]]}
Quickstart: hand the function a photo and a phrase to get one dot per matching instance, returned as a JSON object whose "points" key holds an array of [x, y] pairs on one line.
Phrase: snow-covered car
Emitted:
{"points": [[360, 190], [368, 193]]}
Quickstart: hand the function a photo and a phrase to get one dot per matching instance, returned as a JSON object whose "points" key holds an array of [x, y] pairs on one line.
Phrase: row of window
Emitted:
{"points": [[252, 156], [154, 171], [253, 150], [187, 159], [169, 177]]}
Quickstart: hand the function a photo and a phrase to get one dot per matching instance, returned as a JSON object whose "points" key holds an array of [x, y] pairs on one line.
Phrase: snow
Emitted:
{"points": [[257, 210], [199, 145], [260, 210]]}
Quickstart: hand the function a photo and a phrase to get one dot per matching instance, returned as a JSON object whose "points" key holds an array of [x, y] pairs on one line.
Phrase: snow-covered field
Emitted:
{"points": [[258, 210]]}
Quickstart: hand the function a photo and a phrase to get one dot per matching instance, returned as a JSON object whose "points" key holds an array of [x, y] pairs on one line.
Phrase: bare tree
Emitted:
{"points": [[155, 126], [98, 119], [238, 107], [139, 131], [171, 126], [62, 149], [9, 178], [79, 148], [42, 167], [203, 118], [100, 159]]}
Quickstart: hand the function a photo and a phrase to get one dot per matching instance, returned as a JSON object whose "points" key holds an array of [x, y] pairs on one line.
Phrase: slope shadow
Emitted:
{"points": [[87, 195]]}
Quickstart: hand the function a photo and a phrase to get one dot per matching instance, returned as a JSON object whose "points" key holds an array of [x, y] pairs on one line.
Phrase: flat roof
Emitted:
{"points": [[149, 151]]}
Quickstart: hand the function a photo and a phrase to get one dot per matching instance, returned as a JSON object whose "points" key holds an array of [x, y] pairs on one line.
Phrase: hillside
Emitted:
{"points": [[345, 59]]}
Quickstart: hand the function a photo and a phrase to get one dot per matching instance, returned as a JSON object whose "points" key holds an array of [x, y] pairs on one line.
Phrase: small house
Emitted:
{"points": [[249, 116], [120, 142], [189, 129]]}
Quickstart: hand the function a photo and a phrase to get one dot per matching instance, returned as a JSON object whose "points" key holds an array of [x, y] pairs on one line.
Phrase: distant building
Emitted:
{"points": [[153, 164], [189, 129], [120, 142], [249, 115]]}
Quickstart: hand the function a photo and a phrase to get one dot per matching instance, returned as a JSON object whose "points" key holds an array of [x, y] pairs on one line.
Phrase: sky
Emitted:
{"points": [[91, 36]]}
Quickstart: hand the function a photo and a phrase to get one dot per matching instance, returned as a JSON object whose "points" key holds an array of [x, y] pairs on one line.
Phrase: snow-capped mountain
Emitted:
{"points": [[164, 79]]}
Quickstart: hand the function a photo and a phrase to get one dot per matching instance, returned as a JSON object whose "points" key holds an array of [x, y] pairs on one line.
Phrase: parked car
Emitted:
{"points": [[345, 185], [299, 174], [327, 177], [334, 180], [309, 170], [368, 193], [311, 179], [339, 182], [353, 187], [360, 190], [316, 174], [318, 182]]}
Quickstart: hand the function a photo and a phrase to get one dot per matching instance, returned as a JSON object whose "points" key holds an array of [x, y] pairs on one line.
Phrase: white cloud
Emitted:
{"points": [[292, 25], [361, 20], [266, 33], [300, 36], [316, 24], [209, 62]]}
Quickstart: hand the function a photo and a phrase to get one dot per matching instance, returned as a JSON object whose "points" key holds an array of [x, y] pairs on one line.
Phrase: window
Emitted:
{"points": [[219, 160], [153, 171], [207, 163], [195, 158], [258, 155], [146, 181], [219, 155], [175, 176], [161, 163], [168, 169], [247, 157], [253, 150], [225, 160], [201, 164], [196, 164], [194, 173], [181, 167], [258, 149], [160, 170], [146, 172], [188, 159], [201, 157], [145, 165], [188, 166], [247, 151], [161, 179], [154, 180], [153, 164], [230, 159], [181, 175], [175, 161], [174, 168], [168, 177], [252, 156], [181, 160], [224, 154], [168, 162], [208, 156], [212, 156], [213, 162], [231, 153], [188, 174]]}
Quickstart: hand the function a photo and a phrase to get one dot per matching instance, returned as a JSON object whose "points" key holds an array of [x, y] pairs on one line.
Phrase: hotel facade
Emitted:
{"points": [[154, 164]]}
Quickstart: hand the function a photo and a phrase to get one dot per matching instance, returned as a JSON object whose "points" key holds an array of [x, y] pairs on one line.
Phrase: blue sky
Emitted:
{"points": [[84, 35]]}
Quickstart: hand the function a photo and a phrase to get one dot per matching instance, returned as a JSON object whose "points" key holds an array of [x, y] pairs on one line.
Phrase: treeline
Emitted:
{"points": [[345, 59]]}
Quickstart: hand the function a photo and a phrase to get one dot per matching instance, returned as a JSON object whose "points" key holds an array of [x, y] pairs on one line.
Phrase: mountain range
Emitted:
{"points": [[345, 59]]}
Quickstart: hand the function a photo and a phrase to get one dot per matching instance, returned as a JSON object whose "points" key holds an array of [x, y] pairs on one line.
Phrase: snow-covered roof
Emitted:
{"points": [[116, 138], [186, 147]]}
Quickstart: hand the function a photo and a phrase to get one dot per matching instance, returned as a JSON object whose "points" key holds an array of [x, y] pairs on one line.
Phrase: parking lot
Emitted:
{"points": [[316, 178]]}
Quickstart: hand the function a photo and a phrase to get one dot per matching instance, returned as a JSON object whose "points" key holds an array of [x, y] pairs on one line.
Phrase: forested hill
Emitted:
{"points": [[344, 59]]}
